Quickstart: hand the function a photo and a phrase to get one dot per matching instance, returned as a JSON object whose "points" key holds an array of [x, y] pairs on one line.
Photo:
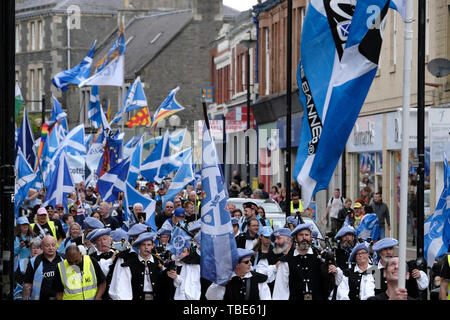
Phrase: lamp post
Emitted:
{"points": [[247, 43]]}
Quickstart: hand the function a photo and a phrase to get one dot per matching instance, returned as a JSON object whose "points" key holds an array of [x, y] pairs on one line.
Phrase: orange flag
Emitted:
{"points": [[142, 118]]}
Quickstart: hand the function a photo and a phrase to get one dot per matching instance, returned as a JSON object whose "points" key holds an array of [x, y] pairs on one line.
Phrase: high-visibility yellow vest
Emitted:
{"points": [[51, 224], [76, 288], [300, 206]]}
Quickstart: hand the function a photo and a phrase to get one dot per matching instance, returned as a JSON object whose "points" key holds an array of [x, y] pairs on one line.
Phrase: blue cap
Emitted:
{"points": [[234, 221], [266, 231], [300, 227], [385, 243], [292, 220], [179, 212], [137, 229], [197, 225], [119, 234], [343, 231], [358, 247], [164, 231], [144, 237], [93, 223], [22, 220], [280, 232], [244, 253], [100, 232]]}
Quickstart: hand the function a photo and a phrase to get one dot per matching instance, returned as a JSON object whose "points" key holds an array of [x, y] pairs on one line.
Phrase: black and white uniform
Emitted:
{"points": [[356, 285], [300, 276], [253, 286]]}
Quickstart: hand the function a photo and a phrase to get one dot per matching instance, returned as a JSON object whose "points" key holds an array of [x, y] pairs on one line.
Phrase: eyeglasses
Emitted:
{"points": [[169, 206], [361, 254], [59, 209], [246, 261]]}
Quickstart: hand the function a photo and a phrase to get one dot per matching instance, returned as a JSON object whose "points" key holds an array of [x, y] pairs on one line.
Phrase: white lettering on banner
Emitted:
{"points": [[364, 137]]}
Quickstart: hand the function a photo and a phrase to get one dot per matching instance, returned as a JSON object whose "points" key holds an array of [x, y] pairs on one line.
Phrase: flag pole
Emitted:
{"points": [[289, 108], [408, 38]]}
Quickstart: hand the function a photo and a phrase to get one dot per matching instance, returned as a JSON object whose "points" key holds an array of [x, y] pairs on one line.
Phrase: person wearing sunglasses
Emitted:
{"points": [[245, 284]]}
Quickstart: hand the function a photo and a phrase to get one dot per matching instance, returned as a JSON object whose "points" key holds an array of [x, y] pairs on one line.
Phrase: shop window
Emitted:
{"points": [[370, 175]]}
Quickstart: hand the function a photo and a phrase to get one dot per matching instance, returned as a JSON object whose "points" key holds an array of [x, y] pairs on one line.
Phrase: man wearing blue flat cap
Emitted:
{"points": [[346, 239], [302, 275], [142, 273], [384, 249], [244, 284], [178, 217], [357, 283]]}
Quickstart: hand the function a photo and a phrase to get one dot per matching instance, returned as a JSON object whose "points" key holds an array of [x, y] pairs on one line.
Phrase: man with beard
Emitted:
{"points": [[302, 275], [346, 239], [249, 239], [268, 264]]}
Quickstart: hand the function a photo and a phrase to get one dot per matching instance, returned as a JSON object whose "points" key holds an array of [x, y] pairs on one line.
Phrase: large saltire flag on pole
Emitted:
{"points": [[167, 108], [134, 99], [24, 177], [25, 140], [110, 69], [219, 251], [340, 47], [437, 226], [75, 75]]}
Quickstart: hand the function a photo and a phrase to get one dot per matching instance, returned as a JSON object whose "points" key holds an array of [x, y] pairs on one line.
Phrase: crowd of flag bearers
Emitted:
{"points": [[96, 221]]}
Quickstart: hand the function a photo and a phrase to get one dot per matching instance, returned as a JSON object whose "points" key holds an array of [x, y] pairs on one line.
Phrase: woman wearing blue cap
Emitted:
{"points": [[357, 283], [24, 234], [244, 284]]}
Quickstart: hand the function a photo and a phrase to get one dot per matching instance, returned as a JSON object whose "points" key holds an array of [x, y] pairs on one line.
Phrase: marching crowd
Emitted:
{"points": [[82, 252]]}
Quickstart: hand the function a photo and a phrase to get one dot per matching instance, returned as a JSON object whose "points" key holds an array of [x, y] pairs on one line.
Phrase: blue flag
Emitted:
{"points": [[132, 196], [340, 47], [151, 167], [76, 74], [183, 177], [24, 177], [135, 166], [94, 113], [25, 140], [178, 241], [61, 184], [219, 252], [135, 99], [115, 148], [113, 181], [369, 227], [437, 226], [58, 115]]}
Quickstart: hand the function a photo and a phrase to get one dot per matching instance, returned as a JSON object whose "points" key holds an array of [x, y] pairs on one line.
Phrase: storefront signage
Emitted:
{"points": [[367, 134]]}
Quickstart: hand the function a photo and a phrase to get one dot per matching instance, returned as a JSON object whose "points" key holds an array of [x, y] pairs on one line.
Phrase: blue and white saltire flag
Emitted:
{"points": [[172, 163], [437, 226], [175, 140], [76, 74], [369, 227], [135, 165], [113, 181], [58, 115], [73, 142], [182, 178], [88, 140], [340, 48], [131, 145], [94, 112], [24, 177], [178, 241], [132, 196], [135, 99], [151, 166], [111, 75], [61, 184], [50, 147], [219, 252], [25, 140]]}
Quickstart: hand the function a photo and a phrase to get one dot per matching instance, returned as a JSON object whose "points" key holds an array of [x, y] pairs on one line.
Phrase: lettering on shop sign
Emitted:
{"points": [[364, 137]]}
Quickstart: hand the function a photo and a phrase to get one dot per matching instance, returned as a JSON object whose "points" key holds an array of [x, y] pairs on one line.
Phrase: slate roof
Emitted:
{"points": [[146, 36]]}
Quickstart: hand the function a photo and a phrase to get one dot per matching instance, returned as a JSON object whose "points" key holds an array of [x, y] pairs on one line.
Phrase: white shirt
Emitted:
{"points": [[216, 292], [187, 283], [367, 288], [281, 290], [147, 282], [336, 204], [422, 282]]}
